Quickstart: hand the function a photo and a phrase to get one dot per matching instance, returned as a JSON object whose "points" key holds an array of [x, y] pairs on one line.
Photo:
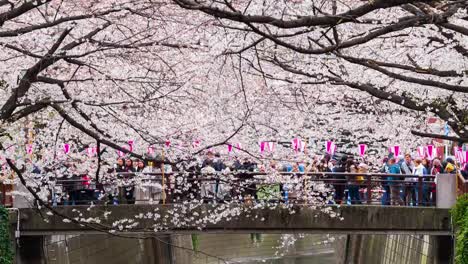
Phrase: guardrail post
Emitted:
{"points": [[369, 188], [446, 189], [3, 193], [420, 191]]}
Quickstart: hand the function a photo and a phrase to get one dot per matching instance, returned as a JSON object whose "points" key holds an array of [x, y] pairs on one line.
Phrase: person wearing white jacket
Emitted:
{"points": [[412, 190], [148, 189]]}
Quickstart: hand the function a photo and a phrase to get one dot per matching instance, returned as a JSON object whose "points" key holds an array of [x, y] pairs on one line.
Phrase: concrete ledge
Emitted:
{"points": [[355, 220]]}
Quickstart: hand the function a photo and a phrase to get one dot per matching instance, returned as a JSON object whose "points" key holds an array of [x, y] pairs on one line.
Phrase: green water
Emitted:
{"points": [[270, 249]]}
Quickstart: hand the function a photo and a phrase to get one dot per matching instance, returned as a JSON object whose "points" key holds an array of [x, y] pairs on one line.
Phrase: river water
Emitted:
{"points": [[232, 248], [265, 248]]}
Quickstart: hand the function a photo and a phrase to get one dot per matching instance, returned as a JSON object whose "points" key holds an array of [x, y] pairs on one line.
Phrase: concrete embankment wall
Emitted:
{"points": [[90, 249], [395, 249], [103, 249], [240, 248]]}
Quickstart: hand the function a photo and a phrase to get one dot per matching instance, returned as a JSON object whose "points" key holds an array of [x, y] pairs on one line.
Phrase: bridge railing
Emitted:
{"points": [[462, 184], [175, 187]]}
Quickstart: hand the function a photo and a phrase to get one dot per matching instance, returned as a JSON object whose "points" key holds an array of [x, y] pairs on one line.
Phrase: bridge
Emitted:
{"points": [[304, 219], [295, 216], [286, 216]]}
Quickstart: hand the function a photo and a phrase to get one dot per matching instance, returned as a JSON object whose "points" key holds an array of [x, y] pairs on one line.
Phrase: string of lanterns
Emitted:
{"points": [[298, 145]]}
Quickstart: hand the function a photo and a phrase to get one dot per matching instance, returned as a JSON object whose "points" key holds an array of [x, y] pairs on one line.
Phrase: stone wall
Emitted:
{"points": [[395, 249], [92, 249], [342, 249]]}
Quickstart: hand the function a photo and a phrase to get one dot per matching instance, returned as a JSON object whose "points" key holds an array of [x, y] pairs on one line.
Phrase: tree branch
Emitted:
{"points": [[430, 135]]}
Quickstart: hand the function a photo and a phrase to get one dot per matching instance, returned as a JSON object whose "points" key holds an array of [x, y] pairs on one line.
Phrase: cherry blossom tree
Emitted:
{"points": [[169, 74], [101, 74], [297, 74], [391, 57]]}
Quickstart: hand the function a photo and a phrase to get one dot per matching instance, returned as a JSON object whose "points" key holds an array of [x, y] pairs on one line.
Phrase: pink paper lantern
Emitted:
{"points": [[328, 146], [271, 146], [262, 146], [297, 144], [66, 148], [395, 150], [421, 152], [431, 153], [362, 149]]}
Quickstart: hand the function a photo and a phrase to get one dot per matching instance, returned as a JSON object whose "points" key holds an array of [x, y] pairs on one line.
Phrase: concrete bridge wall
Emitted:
{"points": [[345, 249], [101, 249], [352, 219], [395, 249]]}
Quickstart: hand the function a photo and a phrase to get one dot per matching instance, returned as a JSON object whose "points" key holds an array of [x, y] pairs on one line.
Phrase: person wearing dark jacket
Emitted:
{"points": [[386, 195], [140, 166], [339, 184], [218, 163], [128, 189], [119, 166], [464, 171], [209, 160], [219, 166]]}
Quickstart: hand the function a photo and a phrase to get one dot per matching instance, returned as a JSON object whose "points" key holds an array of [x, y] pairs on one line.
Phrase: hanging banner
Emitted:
{"points": [[66, 148], [395, 150], [362, 149], [298, 144], [262, 146], [229, 148], [304, 146], [431, 153], [167, 143], [271, 146], [421, 152], [333, 149], [239, 146], [130, 144], [328, 146], [459, 156]]}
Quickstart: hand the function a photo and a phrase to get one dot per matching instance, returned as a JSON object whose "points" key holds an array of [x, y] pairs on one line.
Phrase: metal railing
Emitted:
{"points": [[371, 186]]}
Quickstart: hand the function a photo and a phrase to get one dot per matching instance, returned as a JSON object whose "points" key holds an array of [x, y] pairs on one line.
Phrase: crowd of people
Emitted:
{"points": [[402, 180]]}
